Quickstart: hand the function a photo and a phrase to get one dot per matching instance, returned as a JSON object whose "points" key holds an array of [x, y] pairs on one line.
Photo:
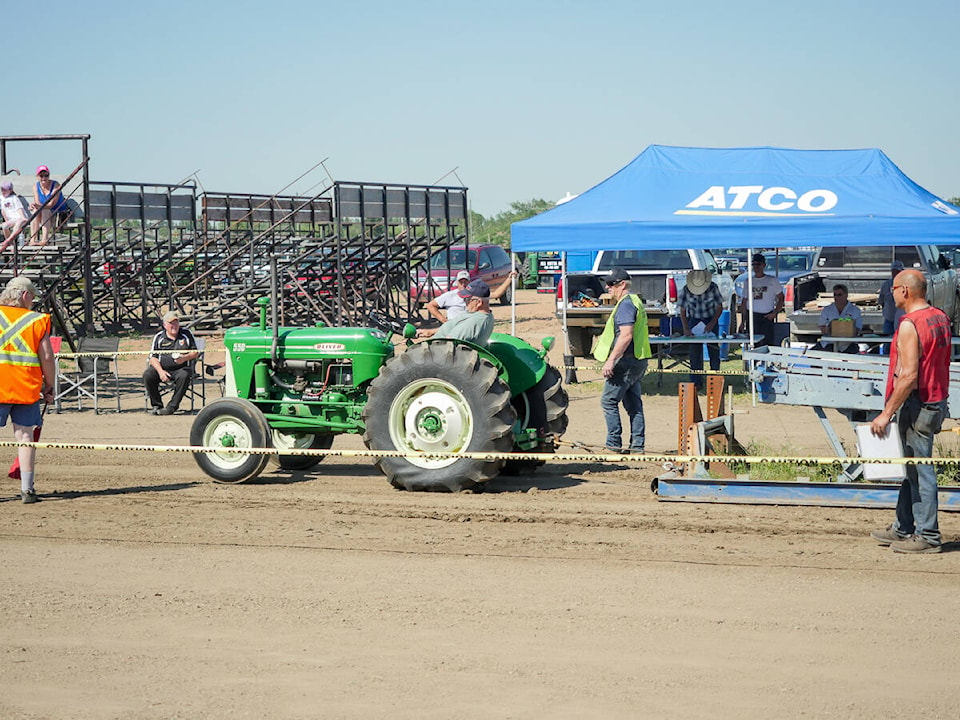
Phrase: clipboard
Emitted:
{"points": [[888, 446]]}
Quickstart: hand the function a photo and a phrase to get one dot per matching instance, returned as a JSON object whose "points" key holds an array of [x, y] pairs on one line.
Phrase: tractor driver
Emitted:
{"points": [[475, 325]]}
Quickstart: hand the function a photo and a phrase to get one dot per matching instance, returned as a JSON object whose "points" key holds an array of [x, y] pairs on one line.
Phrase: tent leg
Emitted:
{"points": [[570, 376]]}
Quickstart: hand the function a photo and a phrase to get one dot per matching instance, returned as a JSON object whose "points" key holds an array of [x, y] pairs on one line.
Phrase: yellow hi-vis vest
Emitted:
{"points": [[641, 339], [21, 377]]}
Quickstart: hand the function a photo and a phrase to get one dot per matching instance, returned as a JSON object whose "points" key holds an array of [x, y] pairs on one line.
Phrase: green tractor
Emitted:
{"points": [[296, 388]]}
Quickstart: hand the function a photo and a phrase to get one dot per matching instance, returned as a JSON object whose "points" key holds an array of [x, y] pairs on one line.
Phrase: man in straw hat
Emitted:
{"points": [[700, 306], [27, 372]]}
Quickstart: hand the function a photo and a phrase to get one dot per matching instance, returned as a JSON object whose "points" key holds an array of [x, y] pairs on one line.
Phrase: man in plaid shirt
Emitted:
{"points": [[700, 303]]}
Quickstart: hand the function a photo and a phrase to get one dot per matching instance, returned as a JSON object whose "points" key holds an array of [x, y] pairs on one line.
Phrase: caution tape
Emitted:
{"points": [[490, 457], [131, 353]]}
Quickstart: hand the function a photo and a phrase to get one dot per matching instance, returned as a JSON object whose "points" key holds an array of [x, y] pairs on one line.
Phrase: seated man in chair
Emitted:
{"points": [[175, 351]]}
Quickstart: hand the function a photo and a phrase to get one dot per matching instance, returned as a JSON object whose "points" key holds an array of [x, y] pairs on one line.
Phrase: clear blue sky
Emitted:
{"points": [[526, 99]]}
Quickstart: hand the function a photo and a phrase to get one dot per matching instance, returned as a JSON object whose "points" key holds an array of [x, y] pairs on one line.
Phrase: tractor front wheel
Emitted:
{"points": [[439, 397], [230, 423]]}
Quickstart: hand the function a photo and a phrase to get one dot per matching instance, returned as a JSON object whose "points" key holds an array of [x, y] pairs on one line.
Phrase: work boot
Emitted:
{"points": [[166, 411], [887, 535], [914, 544], [29, 498]]}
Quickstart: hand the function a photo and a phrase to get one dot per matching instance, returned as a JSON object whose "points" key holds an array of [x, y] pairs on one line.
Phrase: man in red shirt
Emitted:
{"points": [[917, 384]]}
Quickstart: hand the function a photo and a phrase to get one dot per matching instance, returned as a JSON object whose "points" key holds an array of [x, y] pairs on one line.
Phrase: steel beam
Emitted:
{"points": [[754, 492]]}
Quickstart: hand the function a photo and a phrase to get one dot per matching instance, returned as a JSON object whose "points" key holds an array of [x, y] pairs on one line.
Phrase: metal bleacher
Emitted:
{"points": [[137, 249]]}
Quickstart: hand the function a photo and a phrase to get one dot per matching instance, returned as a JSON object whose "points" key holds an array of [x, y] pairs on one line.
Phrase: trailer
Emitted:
{"points": [[852, 384]]}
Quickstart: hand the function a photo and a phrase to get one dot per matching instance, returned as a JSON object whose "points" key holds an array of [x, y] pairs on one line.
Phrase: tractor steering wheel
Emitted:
{"points": [[382, 322]]}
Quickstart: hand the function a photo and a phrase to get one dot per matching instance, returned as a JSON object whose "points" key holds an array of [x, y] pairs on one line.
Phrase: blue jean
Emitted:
{"points": [[624, 387], [696, 360], [917, 503]]}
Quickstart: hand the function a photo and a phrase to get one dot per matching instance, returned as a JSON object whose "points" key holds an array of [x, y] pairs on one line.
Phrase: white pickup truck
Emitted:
{"points": [[863, 270], [656, 275]]}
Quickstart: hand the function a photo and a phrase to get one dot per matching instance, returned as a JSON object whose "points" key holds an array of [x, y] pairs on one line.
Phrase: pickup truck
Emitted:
{"points": [[863, 270], [656, 275]]}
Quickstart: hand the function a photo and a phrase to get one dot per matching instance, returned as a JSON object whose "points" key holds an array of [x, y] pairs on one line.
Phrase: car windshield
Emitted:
{"points": [[646, 260], [453, 258], [789, 262]]}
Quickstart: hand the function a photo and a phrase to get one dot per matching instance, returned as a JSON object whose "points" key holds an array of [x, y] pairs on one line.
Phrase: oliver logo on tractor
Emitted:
{"points": [[296, 388]]}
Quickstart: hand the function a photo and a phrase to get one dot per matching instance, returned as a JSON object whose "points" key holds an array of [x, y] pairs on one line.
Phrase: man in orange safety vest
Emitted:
{"points": [[27, 371]]}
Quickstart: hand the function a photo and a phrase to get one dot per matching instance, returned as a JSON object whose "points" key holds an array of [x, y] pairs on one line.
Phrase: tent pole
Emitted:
{"points": [[750, 326], [513, 297], [570, 373]]}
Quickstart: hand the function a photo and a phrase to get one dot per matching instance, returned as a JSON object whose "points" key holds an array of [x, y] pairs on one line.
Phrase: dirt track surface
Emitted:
{"points": [[138, 589]]}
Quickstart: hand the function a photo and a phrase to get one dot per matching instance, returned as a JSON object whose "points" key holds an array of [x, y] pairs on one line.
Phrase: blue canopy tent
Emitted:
{"points": [[676, 197], [762, 197]]}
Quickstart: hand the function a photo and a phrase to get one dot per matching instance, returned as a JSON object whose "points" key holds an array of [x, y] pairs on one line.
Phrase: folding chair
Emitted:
{"points": [[56, 344], [196, 390], [86, 379]]}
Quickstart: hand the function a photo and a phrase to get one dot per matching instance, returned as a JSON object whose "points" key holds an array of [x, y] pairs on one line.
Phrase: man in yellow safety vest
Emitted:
{"points": [[624, 348]]}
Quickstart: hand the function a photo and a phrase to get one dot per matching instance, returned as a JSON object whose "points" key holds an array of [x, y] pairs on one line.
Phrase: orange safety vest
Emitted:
{"points": [[21, 377]]}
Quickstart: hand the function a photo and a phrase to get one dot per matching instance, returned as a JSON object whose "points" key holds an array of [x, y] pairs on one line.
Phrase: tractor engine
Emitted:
{"points": [[305, 380]]}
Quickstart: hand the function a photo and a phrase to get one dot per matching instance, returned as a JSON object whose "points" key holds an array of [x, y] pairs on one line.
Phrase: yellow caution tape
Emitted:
{"points": [[488, 457]]}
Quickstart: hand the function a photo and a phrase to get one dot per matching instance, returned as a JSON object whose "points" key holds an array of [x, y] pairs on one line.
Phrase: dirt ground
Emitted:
{"points": [[139, 589]]}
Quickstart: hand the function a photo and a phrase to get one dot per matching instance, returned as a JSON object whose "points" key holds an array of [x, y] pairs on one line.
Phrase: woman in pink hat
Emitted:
{"points": [[45, 188]]}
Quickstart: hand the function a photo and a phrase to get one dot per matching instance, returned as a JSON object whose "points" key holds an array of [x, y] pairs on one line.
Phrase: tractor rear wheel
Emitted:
{"points": [[285, 441], [231, 423], [543, 407], [439, 397]]}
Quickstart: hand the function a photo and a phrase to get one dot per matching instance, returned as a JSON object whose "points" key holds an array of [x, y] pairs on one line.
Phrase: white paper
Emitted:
{"points": [[888, 446], [698, 329]]}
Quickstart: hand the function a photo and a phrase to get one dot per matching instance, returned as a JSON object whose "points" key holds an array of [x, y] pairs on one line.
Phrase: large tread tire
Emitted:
{"points": [[544, 407], [231, 422], [440, 397], [302, 442], [581, 341]]}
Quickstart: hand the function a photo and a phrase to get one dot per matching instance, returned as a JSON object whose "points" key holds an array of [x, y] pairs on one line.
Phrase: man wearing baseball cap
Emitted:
{"points": [[14, 212], [453, 304], [27, 372], [767, 301], [175, 350], [624, 349], [476, 324], [450, 302]]}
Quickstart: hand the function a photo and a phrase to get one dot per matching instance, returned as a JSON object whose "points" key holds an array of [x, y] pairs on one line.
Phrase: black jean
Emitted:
{"points": [[181, 381]]}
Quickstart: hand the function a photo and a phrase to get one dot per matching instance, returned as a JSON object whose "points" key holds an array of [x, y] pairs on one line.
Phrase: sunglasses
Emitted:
{"points": [[613, 283], [44, 174]]}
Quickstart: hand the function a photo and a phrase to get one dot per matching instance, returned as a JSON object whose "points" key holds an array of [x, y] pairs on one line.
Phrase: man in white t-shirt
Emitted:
{"points": [[840, 309], [14, 213], [767, 301], [450, 302]]}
